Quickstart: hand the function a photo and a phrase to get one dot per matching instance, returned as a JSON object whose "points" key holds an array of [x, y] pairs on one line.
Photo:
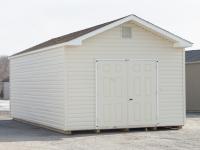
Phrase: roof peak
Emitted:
{"points": [[76, 38]]}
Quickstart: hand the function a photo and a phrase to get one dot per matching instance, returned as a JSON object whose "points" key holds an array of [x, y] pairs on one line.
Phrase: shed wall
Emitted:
{"points": [[80, 67], [193, 87], [37, 88]]}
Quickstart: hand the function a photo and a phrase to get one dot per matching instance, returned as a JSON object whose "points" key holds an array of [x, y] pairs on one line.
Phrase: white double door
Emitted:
{"points": [[126, 93]]}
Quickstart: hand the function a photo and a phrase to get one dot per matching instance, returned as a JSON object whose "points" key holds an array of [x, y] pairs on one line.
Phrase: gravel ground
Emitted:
{"points": [[18, 136]]}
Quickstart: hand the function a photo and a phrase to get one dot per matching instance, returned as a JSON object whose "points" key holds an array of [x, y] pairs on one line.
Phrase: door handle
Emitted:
{"points": [[130, 99]]}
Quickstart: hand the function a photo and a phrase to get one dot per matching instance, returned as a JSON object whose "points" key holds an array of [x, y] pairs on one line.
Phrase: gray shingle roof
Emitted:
{"points": [[67, 37], [192, 55]]}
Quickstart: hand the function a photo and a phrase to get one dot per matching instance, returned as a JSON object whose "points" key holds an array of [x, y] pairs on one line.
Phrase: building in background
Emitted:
{"points": [[5, 89], [4, 77], [193, 81]]}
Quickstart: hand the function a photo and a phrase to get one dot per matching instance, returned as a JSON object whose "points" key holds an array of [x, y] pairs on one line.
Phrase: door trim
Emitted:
{"points": [[157, 92], [125, 59]]}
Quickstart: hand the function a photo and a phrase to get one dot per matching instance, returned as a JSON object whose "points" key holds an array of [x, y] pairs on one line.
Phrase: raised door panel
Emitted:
{"points": [[112, 93], [142, 93]]}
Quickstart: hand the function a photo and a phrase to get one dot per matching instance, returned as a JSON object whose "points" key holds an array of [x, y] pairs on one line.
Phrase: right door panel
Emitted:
{"points": [[142, 87]]}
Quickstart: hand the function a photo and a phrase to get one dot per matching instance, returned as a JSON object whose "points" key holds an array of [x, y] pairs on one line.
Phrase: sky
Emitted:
{"points": [[25, 23]]}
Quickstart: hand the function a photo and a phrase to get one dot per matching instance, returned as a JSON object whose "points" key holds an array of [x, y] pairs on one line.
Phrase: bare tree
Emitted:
{"points": [[4, 67]]}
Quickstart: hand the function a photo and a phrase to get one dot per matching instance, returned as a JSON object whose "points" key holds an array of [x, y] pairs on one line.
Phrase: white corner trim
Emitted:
{"points": [[184, 87]]}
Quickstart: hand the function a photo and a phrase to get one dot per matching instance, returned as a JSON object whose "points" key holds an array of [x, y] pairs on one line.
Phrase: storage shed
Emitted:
{"points": [[193, 81], [125, 73]]}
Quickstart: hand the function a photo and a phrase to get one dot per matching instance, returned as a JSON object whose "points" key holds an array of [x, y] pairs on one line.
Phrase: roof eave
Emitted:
{"points": [[182, 44]]}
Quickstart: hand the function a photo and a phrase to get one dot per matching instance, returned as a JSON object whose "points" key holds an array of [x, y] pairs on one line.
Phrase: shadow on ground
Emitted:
{"points": [[193, 115], [13, 131], [16, 135]]}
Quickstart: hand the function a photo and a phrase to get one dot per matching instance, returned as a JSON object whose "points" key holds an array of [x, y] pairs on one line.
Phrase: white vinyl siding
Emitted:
{"points": [[37, 88], [80, 68]]}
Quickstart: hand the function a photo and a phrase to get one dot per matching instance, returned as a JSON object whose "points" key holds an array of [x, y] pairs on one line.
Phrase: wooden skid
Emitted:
{"points": [[68, 132], [98, 131], [175, 127], [126, 130]]}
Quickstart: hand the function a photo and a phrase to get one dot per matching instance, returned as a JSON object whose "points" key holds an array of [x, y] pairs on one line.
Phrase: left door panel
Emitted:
{"points": [[111, 94]]}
